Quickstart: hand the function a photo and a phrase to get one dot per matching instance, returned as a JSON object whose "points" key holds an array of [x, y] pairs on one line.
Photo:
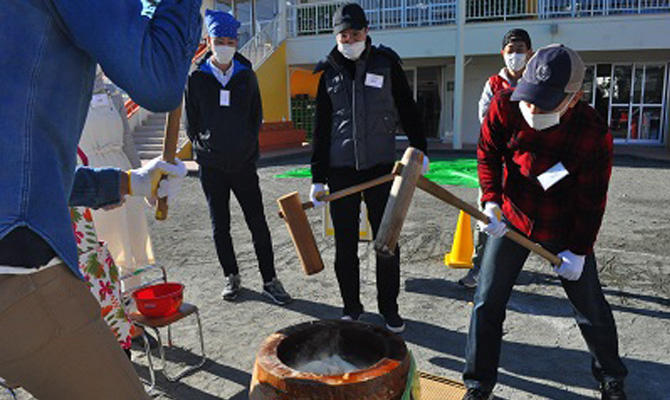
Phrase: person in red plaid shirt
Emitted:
{"points": [[546, 158]]}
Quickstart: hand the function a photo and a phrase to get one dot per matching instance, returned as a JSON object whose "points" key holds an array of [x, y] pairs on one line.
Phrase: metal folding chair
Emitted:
{"points": [[154, 324]]}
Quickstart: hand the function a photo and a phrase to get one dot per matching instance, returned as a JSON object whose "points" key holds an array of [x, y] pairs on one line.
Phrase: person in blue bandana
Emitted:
{"points": [[224, 116]]}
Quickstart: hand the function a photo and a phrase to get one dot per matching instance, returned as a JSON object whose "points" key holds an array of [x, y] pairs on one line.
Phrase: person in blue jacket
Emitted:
{"points": [[224, 117], [51, 331]]}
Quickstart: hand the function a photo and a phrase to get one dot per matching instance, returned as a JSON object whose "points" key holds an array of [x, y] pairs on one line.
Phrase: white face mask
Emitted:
{"points": [[542, 121], [223, 54], [351, 51], [515, 61]]}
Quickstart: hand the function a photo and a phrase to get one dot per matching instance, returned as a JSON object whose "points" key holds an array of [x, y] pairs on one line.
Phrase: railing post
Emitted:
{"points": [[459, 75]]}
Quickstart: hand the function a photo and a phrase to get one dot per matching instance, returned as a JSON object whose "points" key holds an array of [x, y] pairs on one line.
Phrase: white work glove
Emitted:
{"points": [[168, 188], [495, 228], [317, 188], [426, 165], [145, 181], [571, 266]]}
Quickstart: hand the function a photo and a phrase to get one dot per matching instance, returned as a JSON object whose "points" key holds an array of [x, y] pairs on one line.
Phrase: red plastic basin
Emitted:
{"points": [[159, 300]]}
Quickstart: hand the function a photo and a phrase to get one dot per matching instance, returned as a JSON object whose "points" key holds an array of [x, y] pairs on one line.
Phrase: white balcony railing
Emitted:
{"points": [[264, 43], [316, 17], [591, 8]]}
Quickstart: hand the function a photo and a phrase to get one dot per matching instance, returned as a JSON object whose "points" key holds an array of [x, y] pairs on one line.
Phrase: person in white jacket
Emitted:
{"points": [[106, 141], [516, 51]]}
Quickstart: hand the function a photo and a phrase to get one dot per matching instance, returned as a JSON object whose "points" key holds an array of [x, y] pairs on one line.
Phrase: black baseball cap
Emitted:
{"points": [[515, 35], [553, 72], [349, 16]]}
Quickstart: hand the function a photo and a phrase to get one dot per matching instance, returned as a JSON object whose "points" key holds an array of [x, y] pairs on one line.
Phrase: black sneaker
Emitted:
{"points": [[275, 291], [232, 287], [470, 279], [477, 394], [394, 323], [612, 390], [350, 317]]}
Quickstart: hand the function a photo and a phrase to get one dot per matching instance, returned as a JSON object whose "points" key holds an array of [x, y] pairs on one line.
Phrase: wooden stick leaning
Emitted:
{"points": [[170, 138], [443, 194]]}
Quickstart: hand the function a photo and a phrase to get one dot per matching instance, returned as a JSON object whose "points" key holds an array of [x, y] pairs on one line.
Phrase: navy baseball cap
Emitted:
{"points": [[553, 72], [349, 16]]}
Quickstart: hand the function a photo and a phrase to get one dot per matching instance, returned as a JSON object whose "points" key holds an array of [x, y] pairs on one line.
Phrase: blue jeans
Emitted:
{"points": [[501, 264]]}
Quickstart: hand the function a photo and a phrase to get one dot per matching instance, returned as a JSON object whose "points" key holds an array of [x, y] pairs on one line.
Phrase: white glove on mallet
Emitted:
{"points": [[495, 228], [317, 189], [144, 181], [571, 267], [426, 165]]}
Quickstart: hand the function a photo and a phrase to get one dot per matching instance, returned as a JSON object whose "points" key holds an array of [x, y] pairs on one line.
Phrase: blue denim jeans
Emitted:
{"points": [[502, 261]]}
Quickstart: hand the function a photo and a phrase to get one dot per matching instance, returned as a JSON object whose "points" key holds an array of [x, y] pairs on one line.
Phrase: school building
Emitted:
{"points": [[449, 49]]}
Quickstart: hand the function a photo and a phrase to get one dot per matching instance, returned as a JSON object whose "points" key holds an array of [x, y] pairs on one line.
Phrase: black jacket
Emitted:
{"points": [[224, 137], [405, 106]]}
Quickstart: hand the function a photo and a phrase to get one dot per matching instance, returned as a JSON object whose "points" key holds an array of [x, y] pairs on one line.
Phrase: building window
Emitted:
{"points": [[632, 97]]}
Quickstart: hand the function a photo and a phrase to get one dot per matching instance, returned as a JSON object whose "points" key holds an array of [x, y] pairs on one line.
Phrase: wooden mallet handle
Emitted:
{"points": [[443, 194], [170, 138], [347, 191]]}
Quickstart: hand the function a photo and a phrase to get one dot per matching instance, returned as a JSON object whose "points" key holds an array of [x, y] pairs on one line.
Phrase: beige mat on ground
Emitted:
{"points": [[438, 388]]}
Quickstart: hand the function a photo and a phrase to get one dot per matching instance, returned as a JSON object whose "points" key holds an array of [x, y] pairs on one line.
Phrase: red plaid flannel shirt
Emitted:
{"points": [[511, 156]]}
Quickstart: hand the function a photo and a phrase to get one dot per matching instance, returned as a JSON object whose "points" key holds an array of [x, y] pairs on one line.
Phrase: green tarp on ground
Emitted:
{"points": [[458, 172], [296, 173]]}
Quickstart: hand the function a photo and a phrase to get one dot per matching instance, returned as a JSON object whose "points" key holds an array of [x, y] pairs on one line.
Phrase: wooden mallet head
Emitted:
{"points": [[301, 233], [398, 202]]}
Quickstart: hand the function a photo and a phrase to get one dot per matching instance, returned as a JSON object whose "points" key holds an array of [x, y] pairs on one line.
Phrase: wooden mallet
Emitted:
{"points": [[172, 125], [293, 212], [398, 202]]}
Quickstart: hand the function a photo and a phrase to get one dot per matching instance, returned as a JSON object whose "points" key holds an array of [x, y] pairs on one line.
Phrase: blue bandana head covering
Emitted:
{"points": [[221, 24]]}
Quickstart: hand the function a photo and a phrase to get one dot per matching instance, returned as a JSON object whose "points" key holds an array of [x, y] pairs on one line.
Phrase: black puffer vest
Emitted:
{"points": [[364, 116]]}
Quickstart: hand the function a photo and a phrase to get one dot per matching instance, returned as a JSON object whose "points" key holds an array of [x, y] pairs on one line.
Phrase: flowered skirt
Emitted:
{"points": [[101, 274]]}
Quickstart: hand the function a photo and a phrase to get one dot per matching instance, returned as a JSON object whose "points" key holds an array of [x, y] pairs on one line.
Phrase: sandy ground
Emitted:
{"points": [[543, 354]]}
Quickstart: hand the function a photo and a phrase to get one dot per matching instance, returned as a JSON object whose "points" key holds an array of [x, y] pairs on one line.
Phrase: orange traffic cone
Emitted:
{"points": [[462, 248]]}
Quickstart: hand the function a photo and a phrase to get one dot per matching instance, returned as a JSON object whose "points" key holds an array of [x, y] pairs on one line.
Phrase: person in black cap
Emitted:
{"points": [[362, 99], [546, 158], [516, 51]]}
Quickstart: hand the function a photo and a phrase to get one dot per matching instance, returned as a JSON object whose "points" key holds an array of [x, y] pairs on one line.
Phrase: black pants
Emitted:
{"points": [[345, 214], [217, 186], [502, 261]]}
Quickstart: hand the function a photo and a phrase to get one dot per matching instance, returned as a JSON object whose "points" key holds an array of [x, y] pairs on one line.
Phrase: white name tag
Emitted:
{"points": [[224, 99], [99, 100], [551, 176], [374, 80]]}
